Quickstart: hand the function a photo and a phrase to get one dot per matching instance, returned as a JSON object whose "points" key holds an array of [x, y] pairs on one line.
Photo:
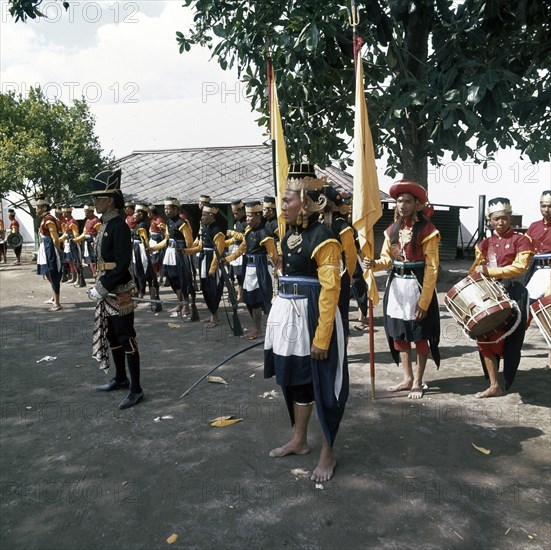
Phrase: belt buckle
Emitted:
{"points": [[401, 271], [295, 288]]}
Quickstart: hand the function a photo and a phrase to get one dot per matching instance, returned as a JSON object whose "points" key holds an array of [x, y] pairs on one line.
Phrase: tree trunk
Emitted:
{"points": [[414, 165], [412, 138]]}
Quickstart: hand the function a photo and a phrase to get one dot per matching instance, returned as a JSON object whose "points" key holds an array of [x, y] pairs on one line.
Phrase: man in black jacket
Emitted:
{"points": [[114, 316]]}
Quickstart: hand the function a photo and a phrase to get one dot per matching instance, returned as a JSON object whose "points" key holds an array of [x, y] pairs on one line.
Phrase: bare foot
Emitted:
{"points": [[325, 468], [55, 308], [50, 301], [207, 320], [416, 393], [211, 324], [185, 311], [403, 386], [251, 336], [290, 448], [175, 310], [492, 391]]}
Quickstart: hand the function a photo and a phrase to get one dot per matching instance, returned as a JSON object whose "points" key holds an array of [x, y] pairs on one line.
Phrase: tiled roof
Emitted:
{"points": [[224, 173]]}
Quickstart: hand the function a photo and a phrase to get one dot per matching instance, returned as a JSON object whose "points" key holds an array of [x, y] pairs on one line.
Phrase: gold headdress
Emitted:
{"points": [[302, 179], [171, 201], [302, 176], [252, 207], [212, 209]]}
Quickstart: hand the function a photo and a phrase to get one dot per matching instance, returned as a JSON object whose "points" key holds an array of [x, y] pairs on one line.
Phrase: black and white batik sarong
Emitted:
{"points": [[290, 330]]}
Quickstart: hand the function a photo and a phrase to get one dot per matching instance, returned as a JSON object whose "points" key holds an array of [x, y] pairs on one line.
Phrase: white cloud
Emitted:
{"points": [[143, 92]]}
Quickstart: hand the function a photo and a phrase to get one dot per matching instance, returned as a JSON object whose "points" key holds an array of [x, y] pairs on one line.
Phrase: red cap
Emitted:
{"points": [[415, 189]]}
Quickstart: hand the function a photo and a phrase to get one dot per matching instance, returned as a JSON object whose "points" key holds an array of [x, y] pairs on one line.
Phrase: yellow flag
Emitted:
{"points": [[281, 166], [366, 203]]}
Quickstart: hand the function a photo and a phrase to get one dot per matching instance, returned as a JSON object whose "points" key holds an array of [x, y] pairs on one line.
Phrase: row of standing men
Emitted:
{"points": [[310, 364], [410, 252]]}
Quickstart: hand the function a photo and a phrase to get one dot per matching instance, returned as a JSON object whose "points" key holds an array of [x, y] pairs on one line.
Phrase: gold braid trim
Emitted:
{"points": [[307, 183], [125, 303]]}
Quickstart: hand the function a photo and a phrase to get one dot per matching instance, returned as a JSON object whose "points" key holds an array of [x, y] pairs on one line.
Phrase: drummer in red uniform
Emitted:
{"points": [[538, 276], [505, 255], [540, 231], [410, 304]]}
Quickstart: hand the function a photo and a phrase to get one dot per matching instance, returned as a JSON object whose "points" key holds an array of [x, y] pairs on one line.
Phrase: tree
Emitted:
{"points": [[467, 77], [24, 9], [46, 148]]}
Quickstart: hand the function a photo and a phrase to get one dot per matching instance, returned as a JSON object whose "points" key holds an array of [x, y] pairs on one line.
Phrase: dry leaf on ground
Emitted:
{"points": [[481, 449], [216, 380], [223, 421], [47, 358]]}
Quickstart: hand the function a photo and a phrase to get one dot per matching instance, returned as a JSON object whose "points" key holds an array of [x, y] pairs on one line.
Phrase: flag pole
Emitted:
{"points": [[360, 175], [371, 348], [354, 19], [269, 73], [279, 155]]}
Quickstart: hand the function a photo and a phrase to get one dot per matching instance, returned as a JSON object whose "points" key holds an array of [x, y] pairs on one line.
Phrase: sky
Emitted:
{"points": [[122, 57]]}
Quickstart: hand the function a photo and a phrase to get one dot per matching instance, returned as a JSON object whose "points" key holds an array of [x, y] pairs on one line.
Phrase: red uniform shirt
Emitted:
{"points": [[14, 224], [60, 222], [44, 229], [411, 253], [156, 225], [89, 226], [540, 233], [68, 224], [504, 249], [131, 222]]}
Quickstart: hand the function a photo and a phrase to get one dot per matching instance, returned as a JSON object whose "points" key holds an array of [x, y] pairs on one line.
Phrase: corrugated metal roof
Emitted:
{"points": [[224, 173]]}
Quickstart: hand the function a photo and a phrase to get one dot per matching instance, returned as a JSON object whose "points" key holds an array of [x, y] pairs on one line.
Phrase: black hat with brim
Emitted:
{"points": [[106, 183]]}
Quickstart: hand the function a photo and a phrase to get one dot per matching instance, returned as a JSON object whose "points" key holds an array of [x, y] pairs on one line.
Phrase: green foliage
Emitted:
{"points": [[46, 148], [24, 9], [467, 77]]}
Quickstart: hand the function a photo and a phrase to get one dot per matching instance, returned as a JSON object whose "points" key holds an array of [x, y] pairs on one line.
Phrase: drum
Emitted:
{"points": [[541, 311], [481, 305], [14, 240]]}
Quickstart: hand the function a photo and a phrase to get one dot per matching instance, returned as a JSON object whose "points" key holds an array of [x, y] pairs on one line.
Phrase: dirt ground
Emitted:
{"points": [[77, 473]]}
